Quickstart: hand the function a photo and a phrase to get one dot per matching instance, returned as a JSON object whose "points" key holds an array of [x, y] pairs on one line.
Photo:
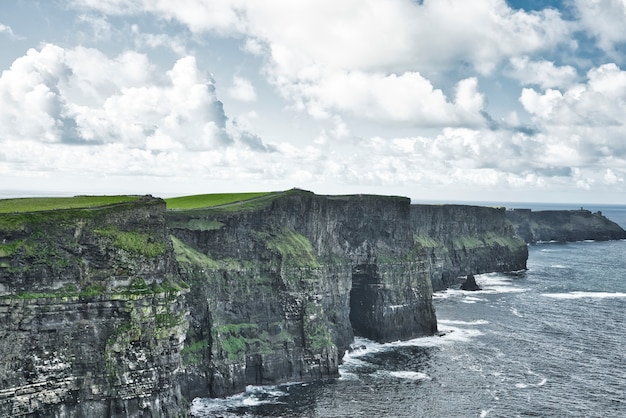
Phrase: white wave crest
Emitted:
{"points": [[581, 295], [410, 375]]}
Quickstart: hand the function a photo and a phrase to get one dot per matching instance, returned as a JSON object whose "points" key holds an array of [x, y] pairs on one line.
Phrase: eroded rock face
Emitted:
{"points": [[458, 240], [563, 225], [283, 285], [118, 311], [92, 314]]}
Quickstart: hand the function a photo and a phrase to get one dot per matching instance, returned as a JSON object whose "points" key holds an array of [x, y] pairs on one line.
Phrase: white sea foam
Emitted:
{"points": [[581, 295], [253, 396], [410, 375], [495, 283], [457, 322]]}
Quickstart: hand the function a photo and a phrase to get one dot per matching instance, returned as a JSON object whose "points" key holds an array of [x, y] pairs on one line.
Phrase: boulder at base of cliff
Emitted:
{"points": [[470, 283]]}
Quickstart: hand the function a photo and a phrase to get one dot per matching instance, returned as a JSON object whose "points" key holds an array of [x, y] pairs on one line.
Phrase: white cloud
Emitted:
{"points": [[131, 115], [176, 43], [408, 98], [604, 20], [542, 73], [582, 126], [5, 29], [242, 89], [371, 58], [100, 27]]}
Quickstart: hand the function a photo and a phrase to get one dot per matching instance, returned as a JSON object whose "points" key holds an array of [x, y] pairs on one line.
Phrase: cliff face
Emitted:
{"points": [[563, 225], [458, 240], [278, 289], [129, 310], [92, 318]]}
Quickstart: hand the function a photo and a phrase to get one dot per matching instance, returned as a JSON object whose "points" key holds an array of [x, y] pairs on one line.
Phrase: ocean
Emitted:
{"points": [[545, 342]]}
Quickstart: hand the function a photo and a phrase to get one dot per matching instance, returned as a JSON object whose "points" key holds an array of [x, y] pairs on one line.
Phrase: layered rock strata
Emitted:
{"points": [[458, 240], [279, 287], [92, 313], [129, 310]]}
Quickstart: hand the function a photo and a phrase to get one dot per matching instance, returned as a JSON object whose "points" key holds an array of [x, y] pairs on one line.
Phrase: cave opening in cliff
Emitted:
{"points": [[364, 301]]}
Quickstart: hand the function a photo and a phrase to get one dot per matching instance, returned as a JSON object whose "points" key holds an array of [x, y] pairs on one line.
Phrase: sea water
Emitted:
{"points": [[548, 341]]}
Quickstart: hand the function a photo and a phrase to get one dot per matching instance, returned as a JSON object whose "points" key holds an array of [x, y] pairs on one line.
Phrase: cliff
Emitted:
{"points": [[126, 309], [458, 240], [280, 284], [563, 225], [92, 314]]}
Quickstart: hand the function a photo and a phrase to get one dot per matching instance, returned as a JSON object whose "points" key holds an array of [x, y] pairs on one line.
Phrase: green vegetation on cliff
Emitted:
{"points": [[38, 204], [134, 241], [209, 200]]}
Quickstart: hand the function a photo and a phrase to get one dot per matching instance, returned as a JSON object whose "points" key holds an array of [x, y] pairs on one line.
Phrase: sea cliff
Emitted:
{"points": [[563, 225], [458, 240], [131, 310], [92, 313]]}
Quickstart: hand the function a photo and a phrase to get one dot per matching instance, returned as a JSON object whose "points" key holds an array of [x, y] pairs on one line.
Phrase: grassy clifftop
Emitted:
{"points": [[38, 204]]}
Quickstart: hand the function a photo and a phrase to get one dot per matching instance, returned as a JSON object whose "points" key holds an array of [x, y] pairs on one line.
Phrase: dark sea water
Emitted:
{"points": [[547, 342]]}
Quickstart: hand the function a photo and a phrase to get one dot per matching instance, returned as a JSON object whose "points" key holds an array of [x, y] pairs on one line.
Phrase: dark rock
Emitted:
{"points": [[563, 225], [457, 240], [127, 310], [470, 284]]}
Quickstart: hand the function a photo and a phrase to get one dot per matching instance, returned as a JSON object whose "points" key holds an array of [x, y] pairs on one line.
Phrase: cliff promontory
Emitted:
{"points": [[115, 306], [563, 225]]}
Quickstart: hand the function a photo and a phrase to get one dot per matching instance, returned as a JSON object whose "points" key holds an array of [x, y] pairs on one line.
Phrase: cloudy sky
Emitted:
{"points": [[451, 100]]}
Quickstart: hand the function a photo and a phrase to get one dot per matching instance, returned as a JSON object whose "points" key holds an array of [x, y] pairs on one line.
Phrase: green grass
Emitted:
{"points": [[38, 204], [296, 249], [136, 242], [210, 200]]}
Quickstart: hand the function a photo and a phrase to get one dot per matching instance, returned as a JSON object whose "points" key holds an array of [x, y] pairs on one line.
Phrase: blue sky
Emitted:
{"points": [[444, 100]]}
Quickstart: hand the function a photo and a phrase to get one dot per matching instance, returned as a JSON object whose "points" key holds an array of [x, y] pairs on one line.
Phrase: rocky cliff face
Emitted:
{"points": [[563, 225], [125, 310], [92, 314], [458, 240], [279, 288]]}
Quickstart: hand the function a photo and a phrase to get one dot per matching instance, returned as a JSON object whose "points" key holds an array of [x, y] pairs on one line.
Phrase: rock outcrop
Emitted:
{"points": [[129, 310], [470, 284], [563, 225]]}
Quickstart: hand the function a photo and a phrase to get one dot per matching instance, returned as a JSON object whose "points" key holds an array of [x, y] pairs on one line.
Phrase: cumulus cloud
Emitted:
{"points": [[242, 89], [583, 126], [368, 50], [604, 20], [63, 97], [542, 73], [408, 98]]}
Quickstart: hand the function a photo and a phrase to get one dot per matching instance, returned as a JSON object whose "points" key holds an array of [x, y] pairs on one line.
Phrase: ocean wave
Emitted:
{"points": [[581, 295], [410, 375], [253, 396]]}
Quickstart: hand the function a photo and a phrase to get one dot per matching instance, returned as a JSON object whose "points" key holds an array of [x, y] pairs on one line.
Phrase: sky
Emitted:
{"points": [[437, 100]]}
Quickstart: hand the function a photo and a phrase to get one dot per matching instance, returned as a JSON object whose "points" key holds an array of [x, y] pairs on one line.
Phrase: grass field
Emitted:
{"points": [[38, 204], [210, 200]]}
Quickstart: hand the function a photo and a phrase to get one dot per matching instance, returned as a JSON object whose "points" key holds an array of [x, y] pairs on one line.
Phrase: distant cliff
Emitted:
{"points": [[563, 225], [129, 310], [458, 240]]}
